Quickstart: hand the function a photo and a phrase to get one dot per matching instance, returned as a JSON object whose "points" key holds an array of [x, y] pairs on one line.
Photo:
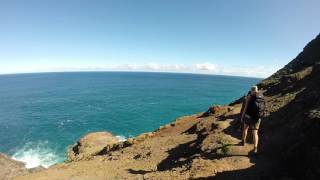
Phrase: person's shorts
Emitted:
{"points": [[253, 124]]}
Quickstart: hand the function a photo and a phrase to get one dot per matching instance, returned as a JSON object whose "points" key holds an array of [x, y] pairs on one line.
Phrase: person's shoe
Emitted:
{"points": [[255, 150], [242, 143]]}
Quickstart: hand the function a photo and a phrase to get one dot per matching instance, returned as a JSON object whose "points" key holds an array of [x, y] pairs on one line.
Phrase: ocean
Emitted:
{"points": [[41, 114]]}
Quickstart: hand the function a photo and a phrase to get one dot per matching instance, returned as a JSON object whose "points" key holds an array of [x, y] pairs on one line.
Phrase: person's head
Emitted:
{"points": [[254, 90]]}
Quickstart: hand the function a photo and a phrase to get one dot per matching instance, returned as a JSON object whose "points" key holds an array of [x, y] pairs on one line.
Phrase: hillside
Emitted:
{"points": [[196, 147]]}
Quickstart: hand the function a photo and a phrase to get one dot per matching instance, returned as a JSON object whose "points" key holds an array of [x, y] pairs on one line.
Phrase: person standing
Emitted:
{"points": [[251, 115]]}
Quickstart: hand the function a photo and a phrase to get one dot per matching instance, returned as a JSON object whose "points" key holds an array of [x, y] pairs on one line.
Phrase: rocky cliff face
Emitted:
{"points": [[292, 128], [206, 146]]}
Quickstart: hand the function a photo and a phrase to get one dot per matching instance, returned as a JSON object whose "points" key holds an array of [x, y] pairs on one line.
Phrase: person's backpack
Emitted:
{"points": [[256, 106]]}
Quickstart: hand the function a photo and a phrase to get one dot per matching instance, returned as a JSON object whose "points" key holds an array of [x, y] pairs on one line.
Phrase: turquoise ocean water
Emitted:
{"points": [[41, 114]]}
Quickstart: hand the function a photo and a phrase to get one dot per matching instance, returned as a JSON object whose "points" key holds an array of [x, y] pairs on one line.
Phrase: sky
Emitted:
{"points": [[228, 37]]}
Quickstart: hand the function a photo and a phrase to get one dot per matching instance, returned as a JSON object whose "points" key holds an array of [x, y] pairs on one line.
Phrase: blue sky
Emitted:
{"points": [[232, 37]]}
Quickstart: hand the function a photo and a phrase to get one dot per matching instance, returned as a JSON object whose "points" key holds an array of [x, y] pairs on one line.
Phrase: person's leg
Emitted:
{"points": [[244, 133], [255, 139], [240, 127], [255, 135]]}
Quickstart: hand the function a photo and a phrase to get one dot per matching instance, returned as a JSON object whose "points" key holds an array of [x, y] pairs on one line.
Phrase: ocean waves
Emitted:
{"points": [[35, 154], [121, 138]]}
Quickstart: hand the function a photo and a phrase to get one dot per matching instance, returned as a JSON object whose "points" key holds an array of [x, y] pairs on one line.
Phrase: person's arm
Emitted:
{"points": [[245, 108]]}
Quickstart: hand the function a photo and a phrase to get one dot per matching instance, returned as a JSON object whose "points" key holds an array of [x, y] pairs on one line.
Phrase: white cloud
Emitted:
{"points": [[250, 71], [153, 66], [203, 68], [132, 66], [206, 66]]}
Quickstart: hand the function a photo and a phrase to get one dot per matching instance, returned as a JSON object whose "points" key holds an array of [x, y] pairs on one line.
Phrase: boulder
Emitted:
{"points": [[90, 145], [217, 110]]}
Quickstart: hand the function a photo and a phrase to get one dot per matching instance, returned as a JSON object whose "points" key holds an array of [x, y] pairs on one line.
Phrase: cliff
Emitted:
{"points": [[10, 168], [207, 147]]}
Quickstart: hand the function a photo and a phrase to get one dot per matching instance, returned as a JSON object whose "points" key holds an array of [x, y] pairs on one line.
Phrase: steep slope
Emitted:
{"points": [[292, 128], [198, 147]]}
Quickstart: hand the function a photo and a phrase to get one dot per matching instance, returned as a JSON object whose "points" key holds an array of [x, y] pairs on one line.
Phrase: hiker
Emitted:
{"points": [[251, 116]]}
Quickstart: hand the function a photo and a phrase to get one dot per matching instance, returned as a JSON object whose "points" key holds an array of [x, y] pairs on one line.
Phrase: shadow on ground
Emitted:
{"points": [[132, 171]]}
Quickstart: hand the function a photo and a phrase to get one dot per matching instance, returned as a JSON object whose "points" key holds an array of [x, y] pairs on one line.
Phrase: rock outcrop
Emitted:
{"points": [[90, 145], [217, 110]]}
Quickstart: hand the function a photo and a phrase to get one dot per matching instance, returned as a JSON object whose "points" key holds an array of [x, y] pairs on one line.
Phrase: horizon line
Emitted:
{"points": [[119, 71]]}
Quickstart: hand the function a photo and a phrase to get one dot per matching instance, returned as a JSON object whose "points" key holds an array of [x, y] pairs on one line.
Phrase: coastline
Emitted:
{"points": [[208, 147]]}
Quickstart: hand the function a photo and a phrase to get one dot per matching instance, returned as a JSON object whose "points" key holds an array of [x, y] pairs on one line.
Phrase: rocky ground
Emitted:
{"points": [[192, 147], [10, 168], [207, 147]]}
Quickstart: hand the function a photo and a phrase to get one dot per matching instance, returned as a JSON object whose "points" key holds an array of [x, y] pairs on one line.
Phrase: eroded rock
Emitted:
{"points": [[90, 145]]}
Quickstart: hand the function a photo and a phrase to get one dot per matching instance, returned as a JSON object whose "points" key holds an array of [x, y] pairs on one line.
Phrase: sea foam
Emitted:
{"points": [[37, 154], [121, 138], [40, 154]]}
